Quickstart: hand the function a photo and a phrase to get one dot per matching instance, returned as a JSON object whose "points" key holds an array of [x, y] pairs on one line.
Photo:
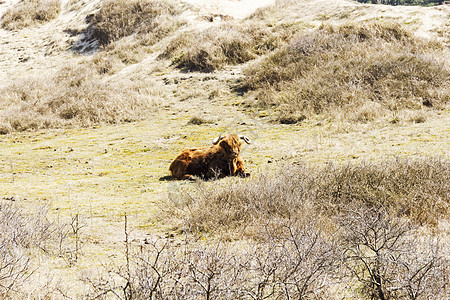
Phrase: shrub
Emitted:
{"points": [[351, 66], [227, 44], [372, 255], [416, 189], [389, 258], [20, 233], [30, 12], [295, 263], [75, 95], [351, 229]]}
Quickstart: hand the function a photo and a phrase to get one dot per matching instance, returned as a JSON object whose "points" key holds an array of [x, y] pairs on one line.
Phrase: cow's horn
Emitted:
{"points": [[217, 139], [246, 139]]}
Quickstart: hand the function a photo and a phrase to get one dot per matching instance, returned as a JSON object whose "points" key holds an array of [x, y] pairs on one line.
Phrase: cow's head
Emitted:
{"points": [[231, 143]]}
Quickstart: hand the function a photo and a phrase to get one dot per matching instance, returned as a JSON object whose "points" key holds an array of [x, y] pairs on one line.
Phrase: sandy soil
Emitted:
{"points": [[39, 48]]}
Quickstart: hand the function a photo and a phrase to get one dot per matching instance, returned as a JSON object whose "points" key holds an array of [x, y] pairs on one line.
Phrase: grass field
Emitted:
{"points": [[347, 107]]}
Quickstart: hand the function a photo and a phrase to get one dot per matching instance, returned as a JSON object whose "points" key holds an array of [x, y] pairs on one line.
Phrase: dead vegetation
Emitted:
{"points": [[230, 43], [30, 12], [301, 234], [29, 236], [416, 189], [125, 30], [77, 94], [364, 230], [350, 68]]}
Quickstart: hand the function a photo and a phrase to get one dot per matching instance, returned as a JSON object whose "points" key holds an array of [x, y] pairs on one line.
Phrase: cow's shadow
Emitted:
{"points": [[171, 178], [167, 178]]}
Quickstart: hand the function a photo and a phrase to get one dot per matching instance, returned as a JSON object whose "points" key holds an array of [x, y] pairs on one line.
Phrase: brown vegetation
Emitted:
{"points": [[30, 12], [416, 189], [326, 230], [312, 237], [75, 95]]}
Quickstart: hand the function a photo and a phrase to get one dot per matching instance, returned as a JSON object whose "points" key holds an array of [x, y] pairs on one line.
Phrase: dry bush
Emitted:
{"points": [[119, 18], [20, 232], [389, 258], [30, 12], [374, 256], [316, 233], [75, 95], [226, 44], [349, 67], [417, 189], [28, 237]]}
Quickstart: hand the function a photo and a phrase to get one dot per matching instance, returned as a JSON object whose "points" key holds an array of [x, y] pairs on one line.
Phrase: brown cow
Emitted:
{"points": [[216, 161]]}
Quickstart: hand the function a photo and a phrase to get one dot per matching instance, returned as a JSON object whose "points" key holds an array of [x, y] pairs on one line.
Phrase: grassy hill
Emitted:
{"points": [[347, 105]]}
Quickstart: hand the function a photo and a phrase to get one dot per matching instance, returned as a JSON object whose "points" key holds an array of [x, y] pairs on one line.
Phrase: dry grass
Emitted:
{"points": [[230, 43], [327, 232], [350, 68], [74, 96], [296, 233], [416, 189], [30, 12]]}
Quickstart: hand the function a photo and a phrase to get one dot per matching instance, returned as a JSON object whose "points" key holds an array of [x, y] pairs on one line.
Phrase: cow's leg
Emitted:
{"points": [[189, 177], [240, 170]]}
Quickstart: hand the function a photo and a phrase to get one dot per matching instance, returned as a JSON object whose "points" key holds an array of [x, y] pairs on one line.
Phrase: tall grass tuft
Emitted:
{"points": [[74, 96]]}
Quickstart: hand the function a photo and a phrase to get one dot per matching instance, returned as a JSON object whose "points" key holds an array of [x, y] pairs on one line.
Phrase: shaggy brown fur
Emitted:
{"points": [[216, 161]]}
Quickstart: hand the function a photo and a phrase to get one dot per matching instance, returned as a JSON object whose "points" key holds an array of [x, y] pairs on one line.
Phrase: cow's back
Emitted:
{"points": [[193, 161]]}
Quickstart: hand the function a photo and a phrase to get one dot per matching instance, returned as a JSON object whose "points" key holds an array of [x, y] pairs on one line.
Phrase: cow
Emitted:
{"points": [[216, 161]]}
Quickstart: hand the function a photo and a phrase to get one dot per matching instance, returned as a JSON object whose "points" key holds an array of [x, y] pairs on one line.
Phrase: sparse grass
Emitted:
{"points": [[74, 96], [199, 121], [227, 44], [30, 12], [350, 68]]}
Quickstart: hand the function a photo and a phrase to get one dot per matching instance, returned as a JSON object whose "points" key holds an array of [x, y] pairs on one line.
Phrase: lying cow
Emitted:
{"points": [[216, 161]]}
